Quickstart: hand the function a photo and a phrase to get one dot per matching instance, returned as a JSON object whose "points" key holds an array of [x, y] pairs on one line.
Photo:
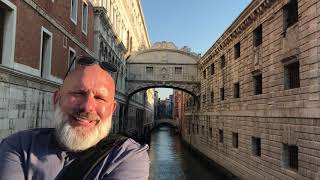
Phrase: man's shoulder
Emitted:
{"points": [[29, 134], [129, 149], [130, 155]]}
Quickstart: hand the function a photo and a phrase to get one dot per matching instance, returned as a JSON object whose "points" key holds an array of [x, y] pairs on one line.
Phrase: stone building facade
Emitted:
{"points": [[120, 30], [37, 41], [259, 113]]}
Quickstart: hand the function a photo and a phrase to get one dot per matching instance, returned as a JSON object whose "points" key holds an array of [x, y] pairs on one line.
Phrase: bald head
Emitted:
{"points": [[91, 76], [86, 100]]}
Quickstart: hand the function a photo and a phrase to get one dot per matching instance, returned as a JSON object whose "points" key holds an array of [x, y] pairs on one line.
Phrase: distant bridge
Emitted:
{"points": [[172, 122]]}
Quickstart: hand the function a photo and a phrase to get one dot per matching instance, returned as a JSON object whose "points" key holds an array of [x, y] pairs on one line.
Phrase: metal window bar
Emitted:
{"points": [[258, 84]]}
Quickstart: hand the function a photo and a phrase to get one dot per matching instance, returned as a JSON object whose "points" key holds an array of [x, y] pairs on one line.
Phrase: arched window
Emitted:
{"points": [[109, 57], [105, 53], [101, 50]]}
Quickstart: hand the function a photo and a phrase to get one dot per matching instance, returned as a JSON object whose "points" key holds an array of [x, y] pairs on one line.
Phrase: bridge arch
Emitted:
{"points": [[164, 65]]}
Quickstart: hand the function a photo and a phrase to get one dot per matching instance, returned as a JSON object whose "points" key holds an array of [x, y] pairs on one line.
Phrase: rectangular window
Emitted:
{"points": [[197, 128], [292, 75], [72, 55], [84, 17], [256, 146], [149, 70], [204, 74], [290, 13], [290, 156], [210, 131], [257, 82], [223, 62], [8, 18], [178, 70], [212, 69], [236, 90], [73, 10], [192, 128], [220, 135], [235, 140], [46, 51], [211, 97], [257, 36], [237, 50], [202, 130], [221, 94]]}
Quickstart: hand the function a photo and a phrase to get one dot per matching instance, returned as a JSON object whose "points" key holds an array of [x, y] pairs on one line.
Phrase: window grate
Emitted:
{"points": [[236, 90], [204, 74], [178, 70], [291, 156], [257, 80], [223, 61], [220, 135], [222, 94], [292, 75], [237, 50], [290, 13], [257, 36], [256, 146], [235, 140], [212, 69], [212, 97], [149, 70]]}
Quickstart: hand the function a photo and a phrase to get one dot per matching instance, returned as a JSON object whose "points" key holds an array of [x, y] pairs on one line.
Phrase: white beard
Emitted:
{"points": [[79, 138]]}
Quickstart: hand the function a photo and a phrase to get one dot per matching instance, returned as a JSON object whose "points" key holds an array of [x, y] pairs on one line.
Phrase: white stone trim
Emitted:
{"points": [[55, 79], [76, 18], [46, 74], [26, 69], [9, 36], [70, 60], [85, 31]]}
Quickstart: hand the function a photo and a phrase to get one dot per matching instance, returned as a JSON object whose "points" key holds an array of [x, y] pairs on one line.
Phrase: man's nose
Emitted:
{"points": [[88, 104]]}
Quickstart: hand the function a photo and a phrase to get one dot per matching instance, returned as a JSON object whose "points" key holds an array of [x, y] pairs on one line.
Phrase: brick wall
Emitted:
{"points": [[28, 34], [278, 116]]}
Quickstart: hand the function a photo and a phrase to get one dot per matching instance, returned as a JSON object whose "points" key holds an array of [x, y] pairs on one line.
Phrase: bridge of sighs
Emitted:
{"points": [[164, 65]]}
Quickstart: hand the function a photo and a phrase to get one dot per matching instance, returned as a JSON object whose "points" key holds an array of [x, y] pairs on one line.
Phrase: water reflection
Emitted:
{"points": [[171, 160]]}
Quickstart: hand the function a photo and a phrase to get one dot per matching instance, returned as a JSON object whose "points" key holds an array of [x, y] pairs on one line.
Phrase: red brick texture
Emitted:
{"points": [[28, 33]]}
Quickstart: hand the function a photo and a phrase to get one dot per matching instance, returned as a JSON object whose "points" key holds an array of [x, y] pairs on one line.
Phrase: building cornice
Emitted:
{"points": [[240, 24], [170, 50]]}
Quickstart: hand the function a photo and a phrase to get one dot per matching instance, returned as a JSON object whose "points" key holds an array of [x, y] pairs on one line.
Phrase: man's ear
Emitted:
{"points": [[56, 97], [114, 106]]}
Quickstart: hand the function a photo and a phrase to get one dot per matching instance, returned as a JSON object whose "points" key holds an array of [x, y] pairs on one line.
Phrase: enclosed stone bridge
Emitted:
{"points": [[171, 122], [163, 65]]}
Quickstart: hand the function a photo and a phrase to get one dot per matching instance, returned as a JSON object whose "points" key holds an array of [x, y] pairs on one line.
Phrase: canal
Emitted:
{"points": [[170, 159]]}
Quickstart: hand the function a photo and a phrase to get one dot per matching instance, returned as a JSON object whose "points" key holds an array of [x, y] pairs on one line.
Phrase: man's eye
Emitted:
{"points": [[100, 98], [76, 93]]}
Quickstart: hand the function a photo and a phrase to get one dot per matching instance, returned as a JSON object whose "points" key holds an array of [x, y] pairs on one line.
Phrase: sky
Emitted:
{"points": [[196, 24]]}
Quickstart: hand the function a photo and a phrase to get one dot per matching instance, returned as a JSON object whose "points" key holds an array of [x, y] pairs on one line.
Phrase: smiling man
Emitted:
{"points": [[83, 118]]}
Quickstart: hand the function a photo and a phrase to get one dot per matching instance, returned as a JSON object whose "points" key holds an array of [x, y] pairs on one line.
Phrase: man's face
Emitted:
{"points": [[84, 107]]}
